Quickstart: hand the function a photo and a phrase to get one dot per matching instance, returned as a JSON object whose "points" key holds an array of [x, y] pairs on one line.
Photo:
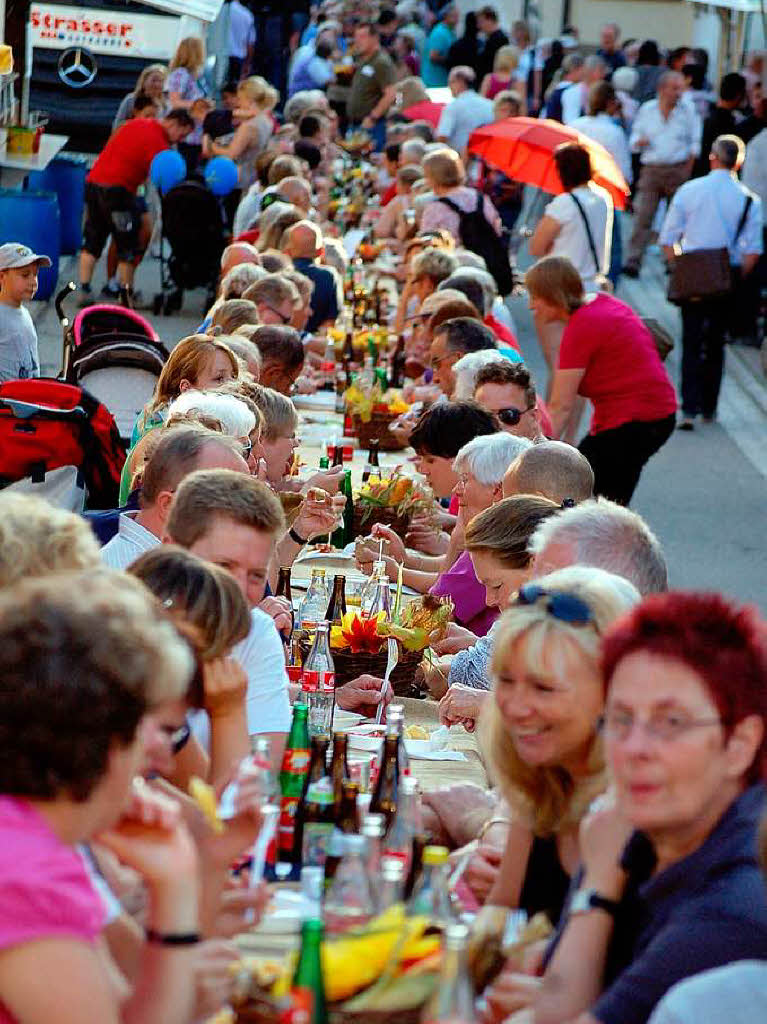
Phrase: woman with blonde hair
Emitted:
{"points": [[151, 83], [540, 732], [445, 175], [255, 101], [184, 87], [502, 75]]}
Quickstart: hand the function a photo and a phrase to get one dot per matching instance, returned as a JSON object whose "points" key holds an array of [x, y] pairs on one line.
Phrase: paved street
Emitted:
{"points": [[705, 493]]}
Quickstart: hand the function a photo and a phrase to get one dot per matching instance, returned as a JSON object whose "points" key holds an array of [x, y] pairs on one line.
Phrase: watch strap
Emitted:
{"points": [[584, 900], [297, 537]]}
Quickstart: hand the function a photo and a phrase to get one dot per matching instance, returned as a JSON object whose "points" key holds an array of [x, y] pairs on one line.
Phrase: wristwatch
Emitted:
{"points": [[585, 900]]}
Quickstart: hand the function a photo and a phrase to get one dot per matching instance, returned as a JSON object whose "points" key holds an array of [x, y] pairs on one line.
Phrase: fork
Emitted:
{"points": [[392, 657]]}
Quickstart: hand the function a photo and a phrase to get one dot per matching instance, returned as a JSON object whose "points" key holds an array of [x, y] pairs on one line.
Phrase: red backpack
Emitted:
{"points": [[47, 425]]}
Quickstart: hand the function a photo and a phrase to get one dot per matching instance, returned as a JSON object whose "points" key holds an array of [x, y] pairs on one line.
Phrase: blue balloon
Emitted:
{"points": [[221, 175], [167, 170]]}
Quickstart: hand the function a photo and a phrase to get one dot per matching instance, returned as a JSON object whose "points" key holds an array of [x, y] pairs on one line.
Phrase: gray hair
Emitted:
{"points": [[489, 456], [594, 62], [412, 151], [300, 102], [611, 537], [467, 258], [467, 368], [572, 62], [434, 263], [335, 255], [233, 415], [235, 281], [465, 73], [464, 277], [729, 150]]}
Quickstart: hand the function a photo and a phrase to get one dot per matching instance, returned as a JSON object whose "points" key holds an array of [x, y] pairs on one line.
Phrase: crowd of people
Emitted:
{"points": [[622, 722]]}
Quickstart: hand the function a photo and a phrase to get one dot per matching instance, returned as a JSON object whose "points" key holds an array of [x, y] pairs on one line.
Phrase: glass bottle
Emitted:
{"points": [[373, 831], [295, 765], [338, 452], [337, 605], [315, 602], [430, 894], [346, 824], [339, 767], [318, 753], [318, 682], [328, 366], [420, 843], [396, 713], [295, 658], [386, 791], [349, 902], [307, 991], [317, 823], [397, 374], [340, 386], [369, 590], [348, 507], [367, 377], [283, 585], [324, 462], [372, 465], [406, 824], [453, 999], [381, 600], [392, 883]]}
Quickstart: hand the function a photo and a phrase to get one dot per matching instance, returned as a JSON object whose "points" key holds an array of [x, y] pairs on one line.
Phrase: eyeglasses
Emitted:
{"points": [[179, 738], [247, 448], [666, 726], [564, 607], [277, 312], [512, 416]]}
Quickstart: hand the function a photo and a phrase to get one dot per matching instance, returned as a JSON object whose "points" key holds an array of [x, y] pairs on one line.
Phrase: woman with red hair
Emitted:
{"points": [[670, 883]]}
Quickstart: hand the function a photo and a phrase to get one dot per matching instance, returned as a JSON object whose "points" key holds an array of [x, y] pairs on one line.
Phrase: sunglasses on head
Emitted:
{"points": [[512, 416], [247, 448], [564, 607]]}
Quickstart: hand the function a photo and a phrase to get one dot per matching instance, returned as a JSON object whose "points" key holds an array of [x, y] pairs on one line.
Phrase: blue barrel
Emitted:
{"points": [[32, 218], [65, 175]]}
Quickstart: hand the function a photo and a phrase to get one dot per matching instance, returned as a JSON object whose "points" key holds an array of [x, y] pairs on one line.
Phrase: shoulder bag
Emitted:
{"points": [[703, 273], [602, 282]]}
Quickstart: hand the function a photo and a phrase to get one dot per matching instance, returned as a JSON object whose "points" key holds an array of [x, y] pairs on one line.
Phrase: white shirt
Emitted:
{"points": [[130, 541], [572, 240], [242, 30], [705, 213], [672, 140], [463, 115], [267, 703], [754, 175], [604, 130], [573, 102], [736, 993]]}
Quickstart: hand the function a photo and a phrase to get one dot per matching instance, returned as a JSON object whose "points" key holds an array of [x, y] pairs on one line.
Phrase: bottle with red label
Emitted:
{"points": [[307, 1004], [318, 683], [295, 765], [406, 825]]}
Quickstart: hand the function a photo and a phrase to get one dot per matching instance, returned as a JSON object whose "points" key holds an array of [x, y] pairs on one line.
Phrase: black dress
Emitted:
{"points": [[546, 882]]}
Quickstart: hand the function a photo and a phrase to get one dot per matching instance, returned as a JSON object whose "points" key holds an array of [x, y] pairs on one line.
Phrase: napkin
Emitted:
{"points": [[437, 755]]}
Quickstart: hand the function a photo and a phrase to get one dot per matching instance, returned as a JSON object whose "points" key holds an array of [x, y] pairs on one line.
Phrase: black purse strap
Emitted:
{"points": [[743, 218], [589, 235]]}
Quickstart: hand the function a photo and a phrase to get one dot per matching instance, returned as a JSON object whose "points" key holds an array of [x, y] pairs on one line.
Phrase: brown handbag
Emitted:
{"points": [[703, 273]]}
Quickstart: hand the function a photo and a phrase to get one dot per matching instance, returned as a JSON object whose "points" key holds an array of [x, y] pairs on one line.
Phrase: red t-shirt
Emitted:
{"points": [[502, 332], [624, 377], [389, 194], [127, 155]]}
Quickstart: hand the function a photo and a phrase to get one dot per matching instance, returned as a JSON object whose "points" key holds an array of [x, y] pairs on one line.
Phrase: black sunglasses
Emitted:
{"points": [[564, 607], [512, 416]]}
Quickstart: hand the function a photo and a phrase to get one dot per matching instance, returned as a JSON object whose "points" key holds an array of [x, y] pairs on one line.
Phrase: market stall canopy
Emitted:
{"points": [[523, 149], [204, 10]]}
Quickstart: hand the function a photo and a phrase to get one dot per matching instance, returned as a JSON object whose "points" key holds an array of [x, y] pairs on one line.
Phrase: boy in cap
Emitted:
{"points": [[18, 337]]}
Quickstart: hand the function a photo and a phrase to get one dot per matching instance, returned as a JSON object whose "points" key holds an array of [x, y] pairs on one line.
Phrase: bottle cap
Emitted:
{"points": [[435, 855], [456, 936]]}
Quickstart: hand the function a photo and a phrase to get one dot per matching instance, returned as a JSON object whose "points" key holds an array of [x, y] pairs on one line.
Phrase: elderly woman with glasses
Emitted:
{"points": [[670, 885], [541, 735]]}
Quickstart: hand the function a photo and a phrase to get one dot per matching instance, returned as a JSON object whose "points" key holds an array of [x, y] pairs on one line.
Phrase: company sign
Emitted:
{"points": [[148, 36]]}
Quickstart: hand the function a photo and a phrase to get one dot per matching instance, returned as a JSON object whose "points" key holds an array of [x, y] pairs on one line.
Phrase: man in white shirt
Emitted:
{"points": [[574, 100], [179, 452], [242, 39], [667, 133], [466, 112], [711, 213]]}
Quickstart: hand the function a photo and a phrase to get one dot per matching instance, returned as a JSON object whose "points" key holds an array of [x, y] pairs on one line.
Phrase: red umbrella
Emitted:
{"points": [[425, 111], [523, 148]]}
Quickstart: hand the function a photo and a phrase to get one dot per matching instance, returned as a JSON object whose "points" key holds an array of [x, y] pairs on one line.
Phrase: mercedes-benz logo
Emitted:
{"points": [[77, 67]]}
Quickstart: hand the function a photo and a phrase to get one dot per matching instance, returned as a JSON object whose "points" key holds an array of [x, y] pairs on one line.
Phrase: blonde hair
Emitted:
{"points": [[186, 362], [233, 313], [199, 593], [279, 414], [506, 58], [272, 233], [549, 798], [190, 54], [37, 539], [256, 90], [555, 280], [444, 168], [503, 531], [150, 69]]}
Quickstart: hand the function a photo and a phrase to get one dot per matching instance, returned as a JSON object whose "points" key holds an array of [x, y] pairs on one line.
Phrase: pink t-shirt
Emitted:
{"points": [[461, 584], [625, 378], [45, 891]]}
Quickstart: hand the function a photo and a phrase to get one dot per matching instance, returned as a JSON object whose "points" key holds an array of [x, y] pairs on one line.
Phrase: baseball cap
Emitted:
{"points": [[14, 256]]}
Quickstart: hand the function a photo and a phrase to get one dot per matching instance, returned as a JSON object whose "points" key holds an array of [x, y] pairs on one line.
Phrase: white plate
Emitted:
{"points": [[319, 400], [343, 720]]}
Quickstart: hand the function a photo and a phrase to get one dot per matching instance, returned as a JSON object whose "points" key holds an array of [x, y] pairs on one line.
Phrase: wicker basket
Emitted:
{"points": [[264, 1011], [349, 666], [365, 515], [377, 429]]}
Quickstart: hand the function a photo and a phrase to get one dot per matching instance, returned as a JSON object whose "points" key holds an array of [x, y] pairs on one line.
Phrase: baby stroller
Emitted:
{"points": [[60, 443], [116, 354], [193, 226]]}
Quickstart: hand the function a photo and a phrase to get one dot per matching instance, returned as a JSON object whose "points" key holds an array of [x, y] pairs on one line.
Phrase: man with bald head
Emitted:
{"points": [[303, 242], [237, 253], [552, 469], [297, 191]]}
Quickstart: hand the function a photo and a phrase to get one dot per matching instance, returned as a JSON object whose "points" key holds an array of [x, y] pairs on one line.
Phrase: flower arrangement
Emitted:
{"points": [[399, 493], [414, 625], [363, 403], [359, 634]]}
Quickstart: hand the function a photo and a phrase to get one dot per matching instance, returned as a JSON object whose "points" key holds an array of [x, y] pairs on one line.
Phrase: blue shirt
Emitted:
{"points": [[705, 213], [704, 911], [441, 38], [326, 303]]}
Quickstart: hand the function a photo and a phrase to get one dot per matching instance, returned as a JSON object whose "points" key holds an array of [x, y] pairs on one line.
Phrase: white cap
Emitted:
{"points": [[13, 256]]}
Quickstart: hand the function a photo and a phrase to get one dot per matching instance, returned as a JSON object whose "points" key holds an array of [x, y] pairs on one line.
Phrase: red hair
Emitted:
{"points": [[725, 644]]}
